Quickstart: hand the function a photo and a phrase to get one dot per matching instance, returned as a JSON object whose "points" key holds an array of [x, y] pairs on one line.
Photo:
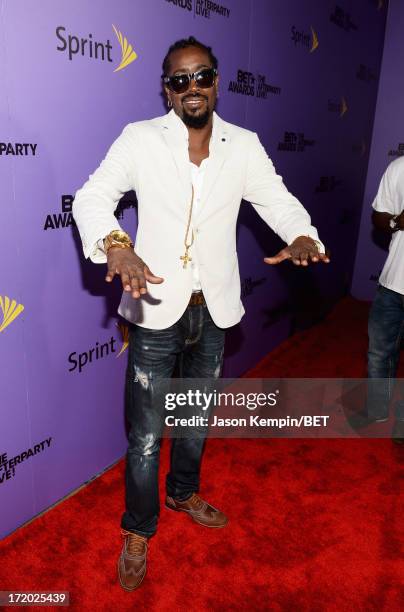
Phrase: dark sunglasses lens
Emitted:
{"points": [[179, 83], [205, 78]]}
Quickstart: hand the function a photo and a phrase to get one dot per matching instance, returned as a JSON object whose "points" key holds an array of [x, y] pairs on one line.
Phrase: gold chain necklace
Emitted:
{"points": [[186, 258]]}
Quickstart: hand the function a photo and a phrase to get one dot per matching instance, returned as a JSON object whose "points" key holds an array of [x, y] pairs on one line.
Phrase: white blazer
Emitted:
{"points": [[151, 157]]}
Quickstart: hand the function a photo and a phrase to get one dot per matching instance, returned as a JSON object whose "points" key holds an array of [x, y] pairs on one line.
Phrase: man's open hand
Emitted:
{"points": [[302, 251], [133, 271]]}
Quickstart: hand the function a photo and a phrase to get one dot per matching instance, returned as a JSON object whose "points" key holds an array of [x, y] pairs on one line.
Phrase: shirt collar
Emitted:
{"points": [[180, 126]]}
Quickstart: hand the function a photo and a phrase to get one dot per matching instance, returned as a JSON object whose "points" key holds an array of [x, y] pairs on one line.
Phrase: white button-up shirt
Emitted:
{"points": [[197, 174]]}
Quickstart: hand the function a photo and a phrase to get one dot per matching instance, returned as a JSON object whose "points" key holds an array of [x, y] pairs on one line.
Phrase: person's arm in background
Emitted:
{"points": [[281, 210], [93, 211], [388, 215], [381, 220]]}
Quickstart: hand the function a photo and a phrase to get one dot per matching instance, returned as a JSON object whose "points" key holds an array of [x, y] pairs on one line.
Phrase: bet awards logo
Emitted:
{"points": [[184, 4], [346, 217], [202, 8], [359, 148], [10, 310], [305, 39], [18, 148], [338, 107], [327, 184], [397, 152], [87, 47], [205, 8], [248, 84], [128, 200], [294, 142], [365, 74], [342, 19], [63, 219], [248, 285]]}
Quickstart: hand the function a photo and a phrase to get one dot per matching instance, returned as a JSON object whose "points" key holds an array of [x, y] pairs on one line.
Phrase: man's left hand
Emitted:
{"points": [[302, 251]]}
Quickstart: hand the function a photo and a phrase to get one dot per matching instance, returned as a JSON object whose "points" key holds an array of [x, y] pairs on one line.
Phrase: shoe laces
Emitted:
{"points": [[135, 544], [196, 502]]}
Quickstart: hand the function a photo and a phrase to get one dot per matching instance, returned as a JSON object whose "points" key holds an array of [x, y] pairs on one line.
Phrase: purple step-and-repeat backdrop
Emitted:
{"points": [[387, 145], [303, 74]]}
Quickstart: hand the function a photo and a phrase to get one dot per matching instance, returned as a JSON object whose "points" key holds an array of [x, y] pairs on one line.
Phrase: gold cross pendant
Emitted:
{"points": [[185, 258]]}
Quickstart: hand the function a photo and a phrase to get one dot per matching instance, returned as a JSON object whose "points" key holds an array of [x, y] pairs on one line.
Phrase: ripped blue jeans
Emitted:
{"points": [[192, 348]]}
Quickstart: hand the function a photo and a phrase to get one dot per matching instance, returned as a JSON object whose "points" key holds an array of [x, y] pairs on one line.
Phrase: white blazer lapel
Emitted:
{"points": [[176, 137], [218, 151]]}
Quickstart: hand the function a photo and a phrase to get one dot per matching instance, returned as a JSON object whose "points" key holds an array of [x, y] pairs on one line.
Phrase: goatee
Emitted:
{"points": [[197, 122]]}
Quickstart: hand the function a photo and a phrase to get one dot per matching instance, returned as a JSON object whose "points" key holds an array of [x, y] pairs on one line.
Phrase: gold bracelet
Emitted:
{"points": [[117, 238]]}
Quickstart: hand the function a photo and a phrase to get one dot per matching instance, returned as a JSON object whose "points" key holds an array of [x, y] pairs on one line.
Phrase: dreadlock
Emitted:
{"points": [[184, 43]]}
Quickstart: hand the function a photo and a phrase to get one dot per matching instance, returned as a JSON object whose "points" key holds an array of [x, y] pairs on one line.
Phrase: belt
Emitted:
{"points": [[197, 299]]}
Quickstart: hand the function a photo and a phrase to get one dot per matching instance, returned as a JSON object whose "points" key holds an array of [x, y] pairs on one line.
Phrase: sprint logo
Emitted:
{"points": [[124, 329], [88, 47], [128, 54], [80, 360], [338, 107], [306, 39], [10, 310]]}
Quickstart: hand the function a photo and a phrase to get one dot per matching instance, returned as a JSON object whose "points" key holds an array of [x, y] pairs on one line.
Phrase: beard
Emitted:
{"points": [[197, 122]]}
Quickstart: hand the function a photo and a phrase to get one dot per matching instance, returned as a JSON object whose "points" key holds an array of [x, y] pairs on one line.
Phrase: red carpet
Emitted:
{"points": [[314, 524]]}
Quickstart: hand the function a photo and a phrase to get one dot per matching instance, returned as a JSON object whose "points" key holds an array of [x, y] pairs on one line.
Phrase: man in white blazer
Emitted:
{"points": [[190, 171]]}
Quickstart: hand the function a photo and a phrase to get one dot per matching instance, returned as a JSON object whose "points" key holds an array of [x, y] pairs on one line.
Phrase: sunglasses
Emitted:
{"points": [[180, 83]]}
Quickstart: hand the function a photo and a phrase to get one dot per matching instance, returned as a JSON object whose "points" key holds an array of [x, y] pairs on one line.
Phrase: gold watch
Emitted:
{"points": [[118, 238]]}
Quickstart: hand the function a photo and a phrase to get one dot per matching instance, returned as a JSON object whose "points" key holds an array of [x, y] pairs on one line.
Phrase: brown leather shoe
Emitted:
{"points": [[199, 510], [132, 560]]}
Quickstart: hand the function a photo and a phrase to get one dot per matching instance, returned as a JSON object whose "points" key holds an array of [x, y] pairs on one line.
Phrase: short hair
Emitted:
{"points": [[184, 43]]}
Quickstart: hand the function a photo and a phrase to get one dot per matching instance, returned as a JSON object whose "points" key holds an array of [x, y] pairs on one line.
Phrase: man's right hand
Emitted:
{"points": [[133, 271]]}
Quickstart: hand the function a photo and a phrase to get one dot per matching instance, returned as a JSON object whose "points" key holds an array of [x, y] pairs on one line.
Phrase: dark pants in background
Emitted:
{"points": [[386, 329]]}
